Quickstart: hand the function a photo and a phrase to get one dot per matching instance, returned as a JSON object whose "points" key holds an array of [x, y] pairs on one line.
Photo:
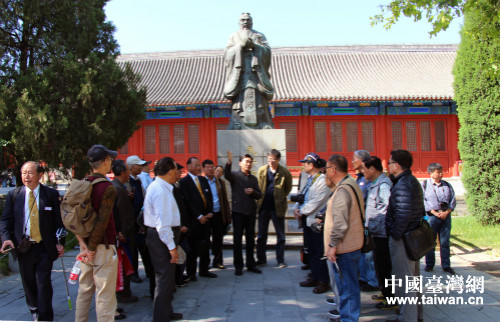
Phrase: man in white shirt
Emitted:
{"points": [[161, 216]]}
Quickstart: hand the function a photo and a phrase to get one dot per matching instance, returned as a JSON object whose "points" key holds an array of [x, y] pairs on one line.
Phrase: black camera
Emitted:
{"points": [[316, 226], [443, 206], [297, 197]]}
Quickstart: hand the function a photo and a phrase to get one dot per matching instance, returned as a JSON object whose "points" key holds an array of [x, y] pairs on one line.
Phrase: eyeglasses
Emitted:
{"points": [[391, 162]]}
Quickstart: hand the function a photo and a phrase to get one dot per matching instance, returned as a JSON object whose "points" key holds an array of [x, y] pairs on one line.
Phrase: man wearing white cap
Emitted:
{"points": [[135, 164]]}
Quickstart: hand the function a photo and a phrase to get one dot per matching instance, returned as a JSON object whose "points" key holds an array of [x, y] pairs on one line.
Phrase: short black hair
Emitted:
{"points": [[403, 158], [164, 166], [433, 167], [275, 153], [190, 160], [246, 156], [207, 161], [118, 167], [339, 161], [373, 161]]}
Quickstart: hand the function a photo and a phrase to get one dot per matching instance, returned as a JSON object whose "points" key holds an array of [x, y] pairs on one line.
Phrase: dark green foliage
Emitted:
{"points": [[477, 93], [61, 90]]}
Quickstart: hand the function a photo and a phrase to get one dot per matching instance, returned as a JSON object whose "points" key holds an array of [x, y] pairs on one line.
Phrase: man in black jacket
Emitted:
{"points": [[245, 193], [405, 211]]}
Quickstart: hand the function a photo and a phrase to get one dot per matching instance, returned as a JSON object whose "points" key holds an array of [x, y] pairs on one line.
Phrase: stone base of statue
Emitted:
{"points": [[257, 143]]}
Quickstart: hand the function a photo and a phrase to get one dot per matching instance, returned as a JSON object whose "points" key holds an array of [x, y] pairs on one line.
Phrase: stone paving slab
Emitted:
{"points": [[272, 296]]}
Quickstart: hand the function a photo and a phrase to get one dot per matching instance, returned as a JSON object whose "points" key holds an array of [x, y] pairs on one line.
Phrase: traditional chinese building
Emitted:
{"points": [[329, 99]]}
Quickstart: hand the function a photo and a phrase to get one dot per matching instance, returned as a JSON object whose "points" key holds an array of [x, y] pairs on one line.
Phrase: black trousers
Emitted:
{"points": [[35, 268], [316, 249], [164, 275], [243, 224], [382, 262], [217, 229], [199, 246]]}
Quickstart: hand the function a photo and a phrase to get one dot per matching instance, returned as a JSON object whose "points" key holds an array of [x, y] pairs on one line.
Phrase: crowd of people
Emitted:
{"points": [[177, 224]]}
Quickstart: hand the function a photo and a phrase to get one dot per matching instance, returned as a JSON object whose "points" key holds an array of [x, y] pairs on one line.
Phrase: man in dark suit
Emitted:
{"points": [[33, 212], [196, 191], [221, 211]]}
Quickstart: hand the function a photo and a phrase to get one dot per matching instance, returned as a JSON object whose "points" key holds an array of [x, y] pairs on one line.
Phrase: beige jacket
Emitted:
{"points": [[343, 223]]}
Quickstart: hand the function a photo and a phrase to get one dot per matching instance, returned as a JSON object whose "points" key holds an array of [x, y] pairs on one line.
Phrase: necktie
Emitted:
{"points": [[198, 185], [34, 219]]}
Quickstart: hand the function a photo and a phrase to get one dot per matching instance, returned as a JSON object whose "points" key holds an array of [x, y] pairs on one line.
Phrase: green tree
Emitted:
{"points": [[61, 90], [477, 93], [477, 90]]}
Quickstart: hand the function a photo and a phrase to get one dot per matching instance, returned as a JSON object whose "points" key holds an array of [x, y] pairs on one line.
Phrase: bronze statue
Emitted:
{"points": [[247, 58]]}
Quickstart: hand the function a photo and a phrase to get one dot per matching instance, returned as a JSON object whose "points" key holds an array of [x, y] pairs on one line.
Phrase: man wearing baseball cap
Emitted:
{"points": [[315, 196], [98, 252]]}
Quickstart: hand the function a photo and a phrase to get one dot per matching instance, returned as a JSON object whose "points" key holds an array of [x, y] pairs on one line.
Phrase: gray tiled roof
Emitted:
{"points": [[337, 73]]}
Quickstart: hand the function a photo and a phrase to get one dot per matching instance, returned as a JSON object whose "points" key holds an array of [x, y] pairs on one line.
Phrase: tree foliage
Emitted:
{"points": [[440, 13], [61, 90], [477, 90], [477, 93]]}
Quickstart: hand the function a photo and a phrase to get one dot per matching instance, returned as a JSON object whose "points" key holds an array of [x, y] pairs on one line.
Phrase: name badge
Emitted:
{"points": [[48, 208]]}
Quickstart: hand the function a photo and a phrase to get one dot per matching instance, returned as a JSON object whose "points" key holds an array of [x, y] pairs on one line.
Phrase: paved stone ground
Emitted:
{"points": [[272, 296]]}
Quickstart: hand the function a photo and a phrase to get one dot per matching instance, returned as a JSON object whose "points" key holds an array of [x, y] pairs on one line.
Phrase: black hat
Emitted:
{"points": [[310, 157], [99, 152]]}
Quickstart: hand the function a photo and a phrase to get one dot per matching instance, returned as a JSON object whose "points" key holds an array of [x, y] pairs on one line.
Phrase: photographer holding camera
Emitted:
{"points": [[314, 194], [439, 199]]}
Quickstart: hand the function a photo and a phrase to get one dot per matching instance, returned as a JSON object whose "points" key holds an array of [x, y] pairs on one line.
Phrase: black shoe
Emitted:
{"points": [[304, 267], [449, 270], [128, 299], [208, 274], [192, 278], [254, 270], [331, 301], [378, 298], [181, 283], [219, 266], [335, 314], [321, 288], [119, 310], [135, 279], [310, 282], [120, 316], [428, 268], [175, 316], [260, 263], [238, 272]]}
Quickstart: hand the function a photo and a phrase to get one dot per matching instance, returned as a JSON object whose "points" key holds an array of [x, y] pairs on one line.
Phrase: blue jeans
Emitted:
{"points": [[442, 228], [279, 226], [348, 286], [367, 269]]}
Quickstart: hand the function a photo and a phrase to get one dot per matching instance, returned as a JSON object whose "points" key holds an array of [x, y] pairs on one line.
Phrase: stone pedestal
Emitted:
{"points": [[257, 143]]}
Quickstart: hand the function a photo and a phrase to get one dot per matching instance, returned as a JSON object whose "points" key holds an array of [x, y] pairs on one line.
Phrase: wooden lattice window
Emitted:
{"points": [[164, 139], [194, 138], [150, 139], [291, 135], [425, 136], [397, 135], [440, 136]]}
